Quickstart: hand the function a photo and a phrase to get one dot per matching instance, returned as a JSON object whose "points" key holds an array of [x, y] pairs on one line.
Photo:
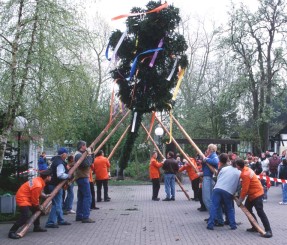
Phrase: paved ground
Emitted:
{"points": [[131, 218]]}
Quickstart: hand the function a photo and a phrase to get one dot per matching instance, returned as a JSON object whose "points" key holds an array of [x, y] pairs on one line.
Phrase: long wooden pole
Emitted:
{"points": [[111, 133], [251, 218], [177, 145], [162, 156], [45, 204], [118, 143], [212, 169]]}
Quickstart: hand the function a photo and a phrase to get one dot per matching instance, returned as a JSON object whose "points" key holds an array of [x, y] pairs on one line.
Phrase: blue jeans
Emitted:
{"points": [[68, 204], [220, 196], [84, 198], [284, 192], [207, 186], [169, 184], [56, 214]]}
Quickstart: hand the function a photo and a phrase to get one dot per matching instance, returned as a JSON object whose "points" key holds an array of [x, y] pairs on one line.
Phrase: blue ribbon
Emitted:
{"points": [[107, 52], [134, 65]]}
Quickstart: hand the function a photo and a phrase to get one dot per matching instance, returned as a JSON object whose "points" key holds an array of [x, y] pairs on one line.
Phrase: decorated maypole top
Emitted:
{"points": [[148, 61], [151, 57]]}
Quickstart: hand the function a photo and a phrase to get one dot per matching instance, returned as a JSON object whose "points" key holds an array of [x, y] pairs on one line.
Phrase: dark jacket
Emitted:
{"points": [[170, 166], [283, 172], [56, 161]]}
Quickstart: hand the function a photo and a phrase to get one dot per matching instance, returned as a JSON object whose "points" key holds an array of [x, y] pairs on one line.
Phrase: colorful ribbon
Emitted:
{"points": [[118, 45], [173, 69], [151, 124], [155, 54], [180, 77], [161, 7], [134, 65]]}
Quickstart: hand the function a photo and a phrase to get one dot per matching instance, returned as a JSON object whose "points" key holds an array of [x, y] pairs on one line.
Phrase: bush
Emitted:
{"points": [[137, 171]]}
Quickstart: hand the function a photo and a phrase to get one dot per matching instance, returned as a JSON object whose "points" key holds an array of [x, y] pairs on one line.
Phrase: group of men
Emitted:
{"points": [[231, 173], [28, 195]]}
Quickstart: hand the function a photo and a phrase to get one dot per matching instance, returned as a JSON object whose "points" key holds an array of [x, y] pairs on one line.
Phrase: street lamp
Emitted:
{"points": [[20, 124], [159, 133]]}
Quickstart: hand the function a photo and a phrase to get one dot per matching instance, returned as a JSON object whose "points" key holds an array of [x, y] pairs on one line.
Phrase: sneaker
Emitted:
{"points": [[88, 221], [251, 229], [172, 199], [209, 228], [268, 234], [52, 226], [71, 211], [94, 208], [39, 229], [13, 235], [218, 224], [264, 200], [282, 203]]}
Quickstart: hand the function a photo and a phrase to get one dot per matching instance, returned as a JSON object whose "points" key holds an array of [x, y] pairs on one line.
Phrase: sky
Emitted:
{"points": [[204, 9]]}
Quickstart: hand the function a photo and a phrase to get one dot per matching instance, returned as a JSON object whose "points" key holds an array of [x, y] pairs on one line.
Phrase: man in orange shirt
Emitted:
{"points": [[154, 175], [27, 198], [193, 176], [252, 188], [101, 166]]}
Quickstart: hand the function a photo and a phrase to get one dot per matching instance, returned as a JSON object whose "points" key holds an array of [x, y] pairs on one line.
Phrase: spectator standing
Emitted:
{"points": [[256, 166], [283, 175], [274, 162], [265, 184], [42, 162], [170, 167], [264, 163]]}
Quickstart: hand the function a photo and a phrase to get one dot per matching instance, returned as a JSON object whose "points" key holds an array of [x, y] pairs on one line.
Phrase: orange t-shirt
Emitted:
{"points": [[251, 185], [29, 193], [154, 167], [101, 166]]}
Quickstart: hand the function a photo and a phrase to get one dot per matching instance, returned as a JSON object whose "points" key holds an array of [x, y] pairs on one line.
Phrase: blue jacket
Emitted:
{"points": [[213, 160], [42, 163]]}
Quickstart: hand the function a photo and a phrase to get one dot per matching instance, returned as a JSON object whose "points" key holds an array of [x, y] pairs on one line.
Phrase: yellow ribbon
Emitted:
{"points": [[180, 77]]}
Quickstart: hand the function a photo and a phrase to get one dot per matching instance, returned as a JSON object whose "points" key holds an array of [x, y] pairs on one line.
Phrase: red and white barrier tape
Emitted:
{"points": [[284, 181]]}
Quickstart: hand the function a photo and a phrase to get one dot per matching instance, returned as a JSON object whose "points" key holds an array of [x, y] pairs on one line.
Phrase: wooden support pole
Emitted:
{"points": [[187, 136], [45, 204], [157, 148], [251, 218], [111, 133], [177, 145], [118, 143], [212, 169]]}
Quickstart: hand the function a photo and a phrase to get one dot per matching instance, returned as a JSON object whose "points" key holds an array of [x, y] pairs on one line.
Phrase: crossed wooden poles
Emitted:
{"points": [[47, 203]]}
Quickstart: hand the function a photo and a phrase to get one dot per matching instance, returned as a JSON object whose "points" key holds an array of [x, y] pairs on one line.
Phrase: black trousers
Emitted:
{"points": [[101, 183], [155, 187], [92, 187], [24, 217], [195, 188], [258, 204]]}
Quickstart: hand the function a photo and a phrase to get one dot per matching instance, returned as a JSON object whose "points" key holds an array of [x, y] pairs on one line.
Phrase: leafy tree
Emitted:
{"points": [[256, 40]]}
